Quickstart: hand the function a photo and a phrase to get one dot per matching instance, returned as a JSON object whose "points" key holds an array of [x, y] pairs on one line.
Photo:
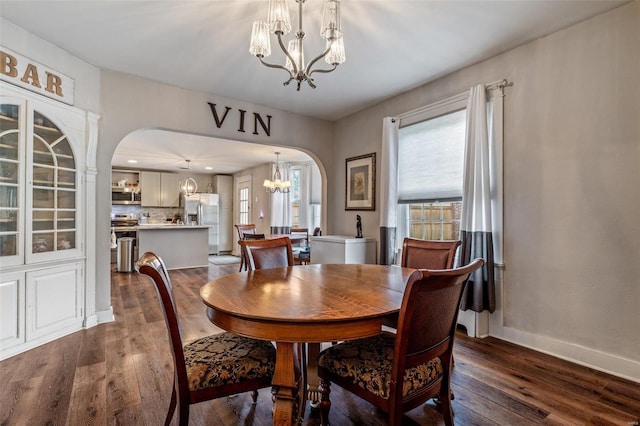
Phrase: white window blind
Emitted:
{"points": [[431, 159]]}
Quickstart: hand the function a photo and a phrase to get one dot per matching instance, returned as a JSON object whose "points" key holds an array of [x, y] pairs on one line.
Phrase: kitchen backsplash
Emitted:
{"points": [[155, 214]]}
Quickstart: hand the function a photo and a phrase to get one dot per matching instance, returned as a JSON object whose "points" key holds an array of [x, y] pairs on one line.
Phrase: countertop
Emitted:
{"points": [[167, 226]]}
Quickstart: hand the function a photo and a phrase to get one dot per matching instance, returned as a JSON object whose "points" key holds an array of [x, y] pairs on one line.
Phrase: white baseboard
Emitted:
{"points": [[105, 316], [91, 321], [598, 360]]}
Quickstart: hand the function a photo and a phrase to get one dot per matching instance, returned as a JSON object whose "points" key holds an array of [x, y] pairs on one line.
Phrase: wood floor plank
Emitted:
{"points": [[121, 384], [155, 377], [472, 392], [92, 350], [22, 407], [87, 403], [534, 389], [120, 373]]}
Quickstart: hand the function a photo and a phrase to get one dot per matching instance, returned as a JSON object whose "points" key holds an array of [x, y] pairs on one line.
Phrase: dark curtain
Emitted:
{"points": [[387, 245], [480, 293]]}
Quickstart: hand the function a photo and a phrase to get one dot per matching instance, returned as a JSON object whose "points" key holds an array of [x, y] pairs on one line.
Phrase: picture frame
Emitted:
{"points": [[360, 182]]}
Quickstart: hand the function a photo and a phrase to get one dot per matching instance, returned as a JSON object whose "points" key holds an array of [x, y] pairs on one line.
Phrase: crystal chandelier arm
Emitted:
{"points": [[316, 59], [266, 64], [286, 52], [278, 66], [323, 70]]}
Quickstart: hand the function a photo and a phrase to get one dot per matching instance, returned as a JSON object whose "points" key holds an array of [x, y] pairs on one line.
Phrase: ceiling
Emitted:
{"points": [[202, 45], [171, 150]]}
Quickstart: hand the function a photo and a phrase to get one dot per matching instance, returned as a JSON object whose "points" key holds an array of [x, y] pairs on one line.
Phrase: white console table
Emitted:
{"points": [[343, 249]]}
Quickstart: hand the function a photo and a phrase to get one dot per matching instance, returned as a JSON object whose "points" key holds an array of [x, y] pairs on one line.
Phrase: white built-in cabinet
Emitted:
{"points": [[343, 249], [159, 189], [223, 186], [42, 179]]}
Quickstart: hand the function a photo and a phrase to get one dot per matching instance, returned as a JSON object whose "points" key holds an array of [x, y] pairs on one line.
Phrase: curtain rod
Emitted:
{"points": [[499, 85]]}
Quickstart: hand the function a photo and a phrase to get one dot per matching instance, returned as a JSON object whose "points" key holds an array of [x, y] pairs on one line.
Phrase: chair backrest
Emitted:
{"points": [[301, 232], [427, 320], [254, 237], [427, 254], [317, 231], [245, 229], [152, 265], [272, 253]]}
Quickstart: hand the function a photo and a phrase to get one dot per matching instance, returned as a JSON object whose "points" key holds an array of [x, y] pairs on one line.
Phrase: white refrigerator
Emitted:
{"points": [[204, 209]]}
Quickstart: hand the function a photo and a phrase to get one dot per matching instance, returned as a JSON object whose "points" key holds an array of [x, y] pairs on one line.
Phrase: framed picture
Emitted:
{"points": [[360, 192]]}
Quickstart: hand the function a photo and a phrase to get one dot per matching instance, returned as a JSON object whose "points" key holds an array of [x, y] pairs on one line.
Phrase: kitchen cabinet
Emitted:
{"points": [[42, 257], [159, 189]]}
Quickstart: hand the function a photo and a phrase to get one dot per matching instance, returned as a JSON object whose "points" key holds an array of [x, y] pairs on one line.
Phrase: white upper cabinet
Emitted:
{"points": [[159, 189]]}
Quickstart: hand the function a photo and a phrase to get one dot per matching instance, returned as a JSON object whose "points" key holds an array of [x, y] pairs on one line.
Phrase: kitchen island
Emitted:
{"points": [[179, 246]]}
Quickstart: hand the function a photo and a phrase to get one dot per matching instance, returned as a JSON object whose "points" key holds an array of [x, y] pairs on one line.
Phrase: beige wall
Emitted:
{"points": [[571, 179]]}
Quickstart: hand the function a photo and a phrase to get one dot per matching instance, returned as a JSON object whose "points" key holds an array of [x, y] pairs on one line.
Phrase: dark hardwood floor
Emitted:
{"points": [[120, 373]]}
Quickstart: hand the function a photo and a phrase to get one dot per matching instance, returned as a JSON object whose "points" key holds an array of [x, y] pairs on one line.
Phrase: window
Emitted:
{"points": [[296, 191], [244, 205], [316, 212], [431, 161], [434, 221]]}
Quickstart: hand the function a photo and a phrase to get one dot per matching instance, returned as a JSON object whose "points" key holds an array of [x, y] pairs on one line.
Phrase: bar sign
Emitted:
{"points": [[23, 72]]}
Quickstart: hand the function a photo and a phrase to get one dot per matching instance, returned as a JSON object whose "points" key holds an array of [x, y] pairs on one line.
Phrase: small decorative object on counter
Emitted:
{"points": [[358, 226], [114, 242]]}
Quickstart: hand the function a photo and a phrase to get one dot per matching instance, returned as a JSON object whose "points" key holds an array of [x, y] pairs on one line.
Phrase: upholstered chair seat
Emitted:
{"points": [[367, 363], [227, 358]]}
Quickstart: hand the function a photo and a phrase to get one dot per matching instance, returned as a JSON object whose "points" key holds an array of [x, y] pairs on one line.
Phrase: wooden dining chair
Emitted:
{"points": [[255, 237], [248, 228], [425, 254], [271, 253], [398, 372], [210, 367], [243, 231], [428, 254], [302, 251]]}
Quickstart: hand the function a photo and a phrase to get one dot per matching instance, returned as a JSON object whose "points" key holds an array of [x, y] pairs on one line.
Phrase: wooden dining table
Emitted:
{"points": [[304, 304], [295, 239]]}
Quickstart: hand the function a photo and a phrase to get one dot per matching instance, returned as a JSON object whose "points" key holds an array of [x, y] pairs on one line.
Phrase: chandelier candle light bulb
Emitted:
{"points": [[279, 23], [277, 184]]}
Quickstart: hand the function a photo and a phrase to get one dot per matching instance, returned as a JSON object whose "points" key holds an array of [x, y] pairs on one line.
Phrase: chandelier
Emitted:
{"points": [[279, 23], [277, 184], [188, 186]]}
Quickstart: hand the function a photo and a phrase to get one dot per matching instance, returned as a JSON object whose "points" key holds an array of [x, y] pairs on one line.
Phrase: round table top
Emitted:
{"points": [[289, 299]]}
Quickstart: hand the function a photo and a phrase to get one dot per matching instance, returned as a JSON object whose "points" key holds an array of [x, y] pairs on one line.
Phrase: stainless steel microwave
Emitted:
{"points": [[125, 196]]}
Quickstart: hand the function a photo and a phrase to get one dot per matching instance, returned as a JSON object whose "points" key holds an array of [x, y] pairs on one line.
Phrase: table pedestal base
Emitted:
{"points": [[289, 399]]}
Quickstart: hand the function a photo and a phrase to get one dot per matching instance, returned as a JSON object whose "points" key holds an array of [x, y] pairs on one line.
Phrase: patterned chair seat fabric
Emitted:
{"points": [[227, 358], [367, 363]]}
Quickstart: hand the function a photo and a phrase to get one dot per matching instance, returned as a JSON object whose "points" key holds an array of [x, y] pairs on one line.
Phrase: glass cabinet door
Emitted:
{"points": [[10, 158], [38, 187], [53, 214]]}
